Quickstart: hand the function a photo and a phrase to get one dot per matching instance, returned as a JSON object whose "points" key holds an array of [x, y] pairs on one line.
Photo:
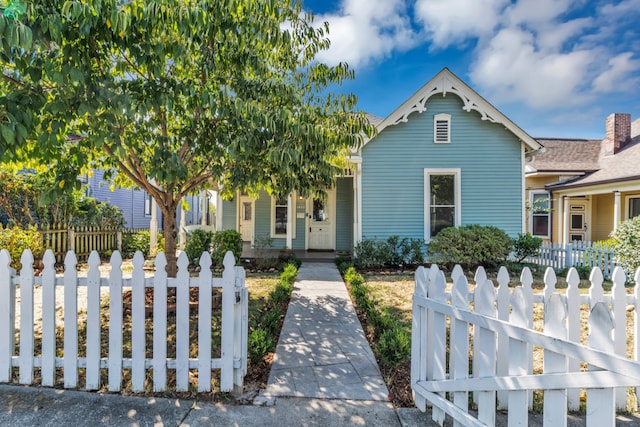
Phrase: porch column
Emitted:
{"points": [[203, 196], [616, 209], [218, 212], [289, 222], [357, 233], [153, 228], [565, 220]]}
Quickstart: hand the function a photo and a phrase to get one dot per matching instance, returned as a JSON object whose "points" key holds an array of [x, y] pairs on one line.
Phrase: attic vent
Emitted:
{"points": [[442, 128]]}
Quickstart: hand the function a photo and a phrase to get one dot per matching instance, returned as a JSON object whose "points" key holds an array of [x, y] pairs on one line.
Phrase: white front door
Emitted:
{"points": [[246, 207], [578, 221], [321, 230]]}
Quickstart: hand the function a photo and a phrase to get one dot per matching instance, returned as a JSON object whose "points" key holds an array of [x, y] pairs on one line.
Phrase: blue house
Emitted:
{"points": [[445, 157]]}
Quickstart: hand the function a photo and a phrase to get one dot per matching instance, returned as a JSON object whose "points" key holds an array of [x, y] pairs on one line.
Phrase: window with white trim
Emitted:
{"points": [[443, 202], [147, 204], [279, 218], [540, 220], [442, 128]]}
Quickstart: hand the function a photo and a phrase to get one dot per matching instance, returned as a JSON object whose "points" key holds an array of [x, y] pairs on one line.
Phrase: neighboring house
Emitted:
{"points": [[582, 189], [136, 205], [445, 157]]}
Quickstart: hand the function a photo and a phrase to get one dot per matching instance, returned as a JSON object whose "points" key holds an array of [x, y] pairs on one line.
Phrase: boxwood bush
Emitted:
{"points": [[626, 240], [470, 246]]}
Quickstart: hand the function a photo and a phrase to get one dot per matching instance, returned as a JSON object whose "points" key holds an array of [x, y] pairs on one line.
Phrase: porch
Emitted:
{"points": [[249, 252]]}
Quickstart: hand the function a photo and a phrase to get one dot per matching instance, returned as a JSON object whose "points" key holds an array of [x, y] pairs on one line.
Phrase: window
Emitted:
{"points": [[279, 223], [442, 196], [634, 206], [540, 224], [147, 204], [442, 128]]}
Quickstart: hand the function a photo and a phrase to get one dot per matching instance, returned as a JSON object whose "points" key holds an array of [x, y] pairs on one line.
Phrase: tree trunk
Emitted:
{"points": [[170, 231]]}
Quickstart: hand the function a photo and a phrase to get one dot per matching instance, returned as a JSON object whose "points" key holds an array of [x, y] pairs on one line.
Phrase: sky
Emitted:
{"points": [[556, 68]]}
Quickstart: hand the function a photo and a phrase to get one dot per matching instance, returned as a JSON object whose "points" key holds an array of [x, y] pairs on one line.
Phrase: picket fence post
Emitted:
{"points": [[228, 300], [419, 337], [619, 308], [241, 328], [160, 324], [70, 321], [636, 325], [26, 318], [503, 302], [138, 336], [526, 282], [93, 323], [479, 277]]}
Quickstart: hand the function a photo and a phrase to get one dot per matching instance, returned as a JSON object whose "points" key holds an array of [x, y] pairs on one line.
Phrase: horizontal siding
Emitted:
{"points": [[229, 214], [344, 214], [488, 155]]}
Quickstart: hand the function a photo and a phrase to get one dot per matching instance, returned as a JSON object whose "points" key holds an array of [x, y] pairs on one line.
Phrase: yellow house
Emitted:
{"points": [[580, 189]]}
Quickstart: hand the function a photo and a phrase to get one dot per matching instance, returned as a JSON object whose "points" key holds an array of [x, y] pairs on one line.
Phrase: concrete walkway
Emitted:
{"points": [[322, 351]]}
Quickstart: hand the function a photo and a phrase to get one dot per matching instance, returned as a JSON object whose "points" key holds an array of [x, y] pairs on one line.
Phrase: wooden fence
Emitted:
{"points": [[83, 240], [498, 325], [109, 358], [577, 253]]}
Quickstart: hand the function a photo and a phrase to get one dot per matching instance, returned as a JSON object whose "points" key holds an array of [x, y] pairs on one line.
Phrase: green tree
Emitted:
{"points": [[175, 95]]}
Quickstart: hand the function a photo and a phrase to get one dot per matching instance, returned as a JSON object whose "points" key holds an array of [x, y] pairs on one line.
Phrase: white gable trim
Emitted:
{"points": [[446, 82]]}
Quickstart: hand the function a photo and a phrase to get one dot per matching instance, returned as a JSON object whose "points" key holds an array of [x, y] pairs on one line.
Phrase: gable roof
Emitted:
{"points": [[446, 82], [622, 166]]}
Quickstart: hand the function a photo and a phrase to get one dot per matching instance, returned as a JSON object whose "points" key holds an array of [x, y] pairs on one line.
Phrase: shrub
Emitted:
{"points": [[259, 343], [223, 241], [133, 242], [470, 246], [526, 245], [394, 346], [395, 252], [271, 319], [289, 273], [16, 240], [281, 293], [626, 239], [198, 241]]}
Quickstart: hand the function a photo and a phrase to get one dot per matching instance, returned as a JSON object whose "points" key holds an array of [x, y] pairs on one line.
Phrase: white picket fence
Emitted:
{"points": [[498, 324], [578, 253], [232, 363]]}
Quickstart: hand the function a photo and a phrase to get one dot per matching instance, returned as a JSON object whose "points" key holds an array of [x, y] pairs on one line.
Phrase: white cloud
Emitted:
{"points": [[367, 30], [616, 77], [449, 22]]}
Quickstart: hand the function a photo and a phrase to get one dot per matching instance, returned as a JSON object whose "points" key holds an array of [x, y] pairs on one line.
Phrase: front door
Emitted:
{"points": [[246, 218], [322, 222], [578, 226]]}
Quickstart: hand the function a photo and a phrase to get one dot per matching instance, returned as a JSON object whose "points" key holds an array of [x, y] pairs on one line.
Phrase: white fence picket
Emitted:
{"points": [[160, 325], [555, 401], [233, 360], [573, 331], [636, 326], [115, 323], [204, 324], [418, 336], [93, 323], [138, 335], [502, 301], [70, 321], [48, 369], [526, 282], [26, 318], [459, 368], [485, 352], [516, 354], [600, 401], [619, 309], [182, 324], [439, 349]]}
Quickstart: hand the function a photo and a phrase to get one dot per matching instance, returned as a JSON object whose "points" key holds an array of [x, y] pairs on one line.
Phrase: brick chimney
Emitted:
{"points": [[618, 132]]}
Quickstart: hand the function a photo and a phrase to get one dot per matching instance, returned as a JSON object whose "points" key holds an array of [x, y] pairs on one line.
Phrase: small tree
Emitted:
{"points": [[626, 239], [175, 96], [526, 245]]}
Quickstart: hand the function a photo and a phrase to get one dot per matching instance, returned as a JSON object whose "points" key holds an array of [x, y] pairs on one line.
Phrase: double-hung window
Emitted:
{"points": [[540, 223], [634, 206], [279, 217], [443, 202], [148, 203]]}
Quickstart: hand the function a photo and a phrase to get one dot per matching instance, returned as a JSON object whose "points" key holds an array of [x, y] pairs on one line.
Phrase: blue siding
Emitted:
{"points": [[344, 214], [488, 155], [228, 210], [263, 222], [129, 201]]}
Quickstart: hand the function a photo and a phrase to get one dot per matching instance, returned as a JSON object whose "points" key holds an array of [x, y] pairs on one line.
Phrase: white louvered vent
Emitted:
{"points": [[442, 128]]}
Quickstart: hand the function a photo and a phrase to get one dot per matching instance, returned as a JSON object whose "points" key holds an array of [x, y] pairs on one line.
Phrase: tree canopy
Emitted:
{"points": [[174, 95]]}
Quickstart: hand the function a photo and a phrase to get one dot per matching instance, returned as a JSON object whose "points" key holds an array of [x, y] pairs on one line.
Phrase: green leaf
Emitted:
{"points": [[8, 134]]}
